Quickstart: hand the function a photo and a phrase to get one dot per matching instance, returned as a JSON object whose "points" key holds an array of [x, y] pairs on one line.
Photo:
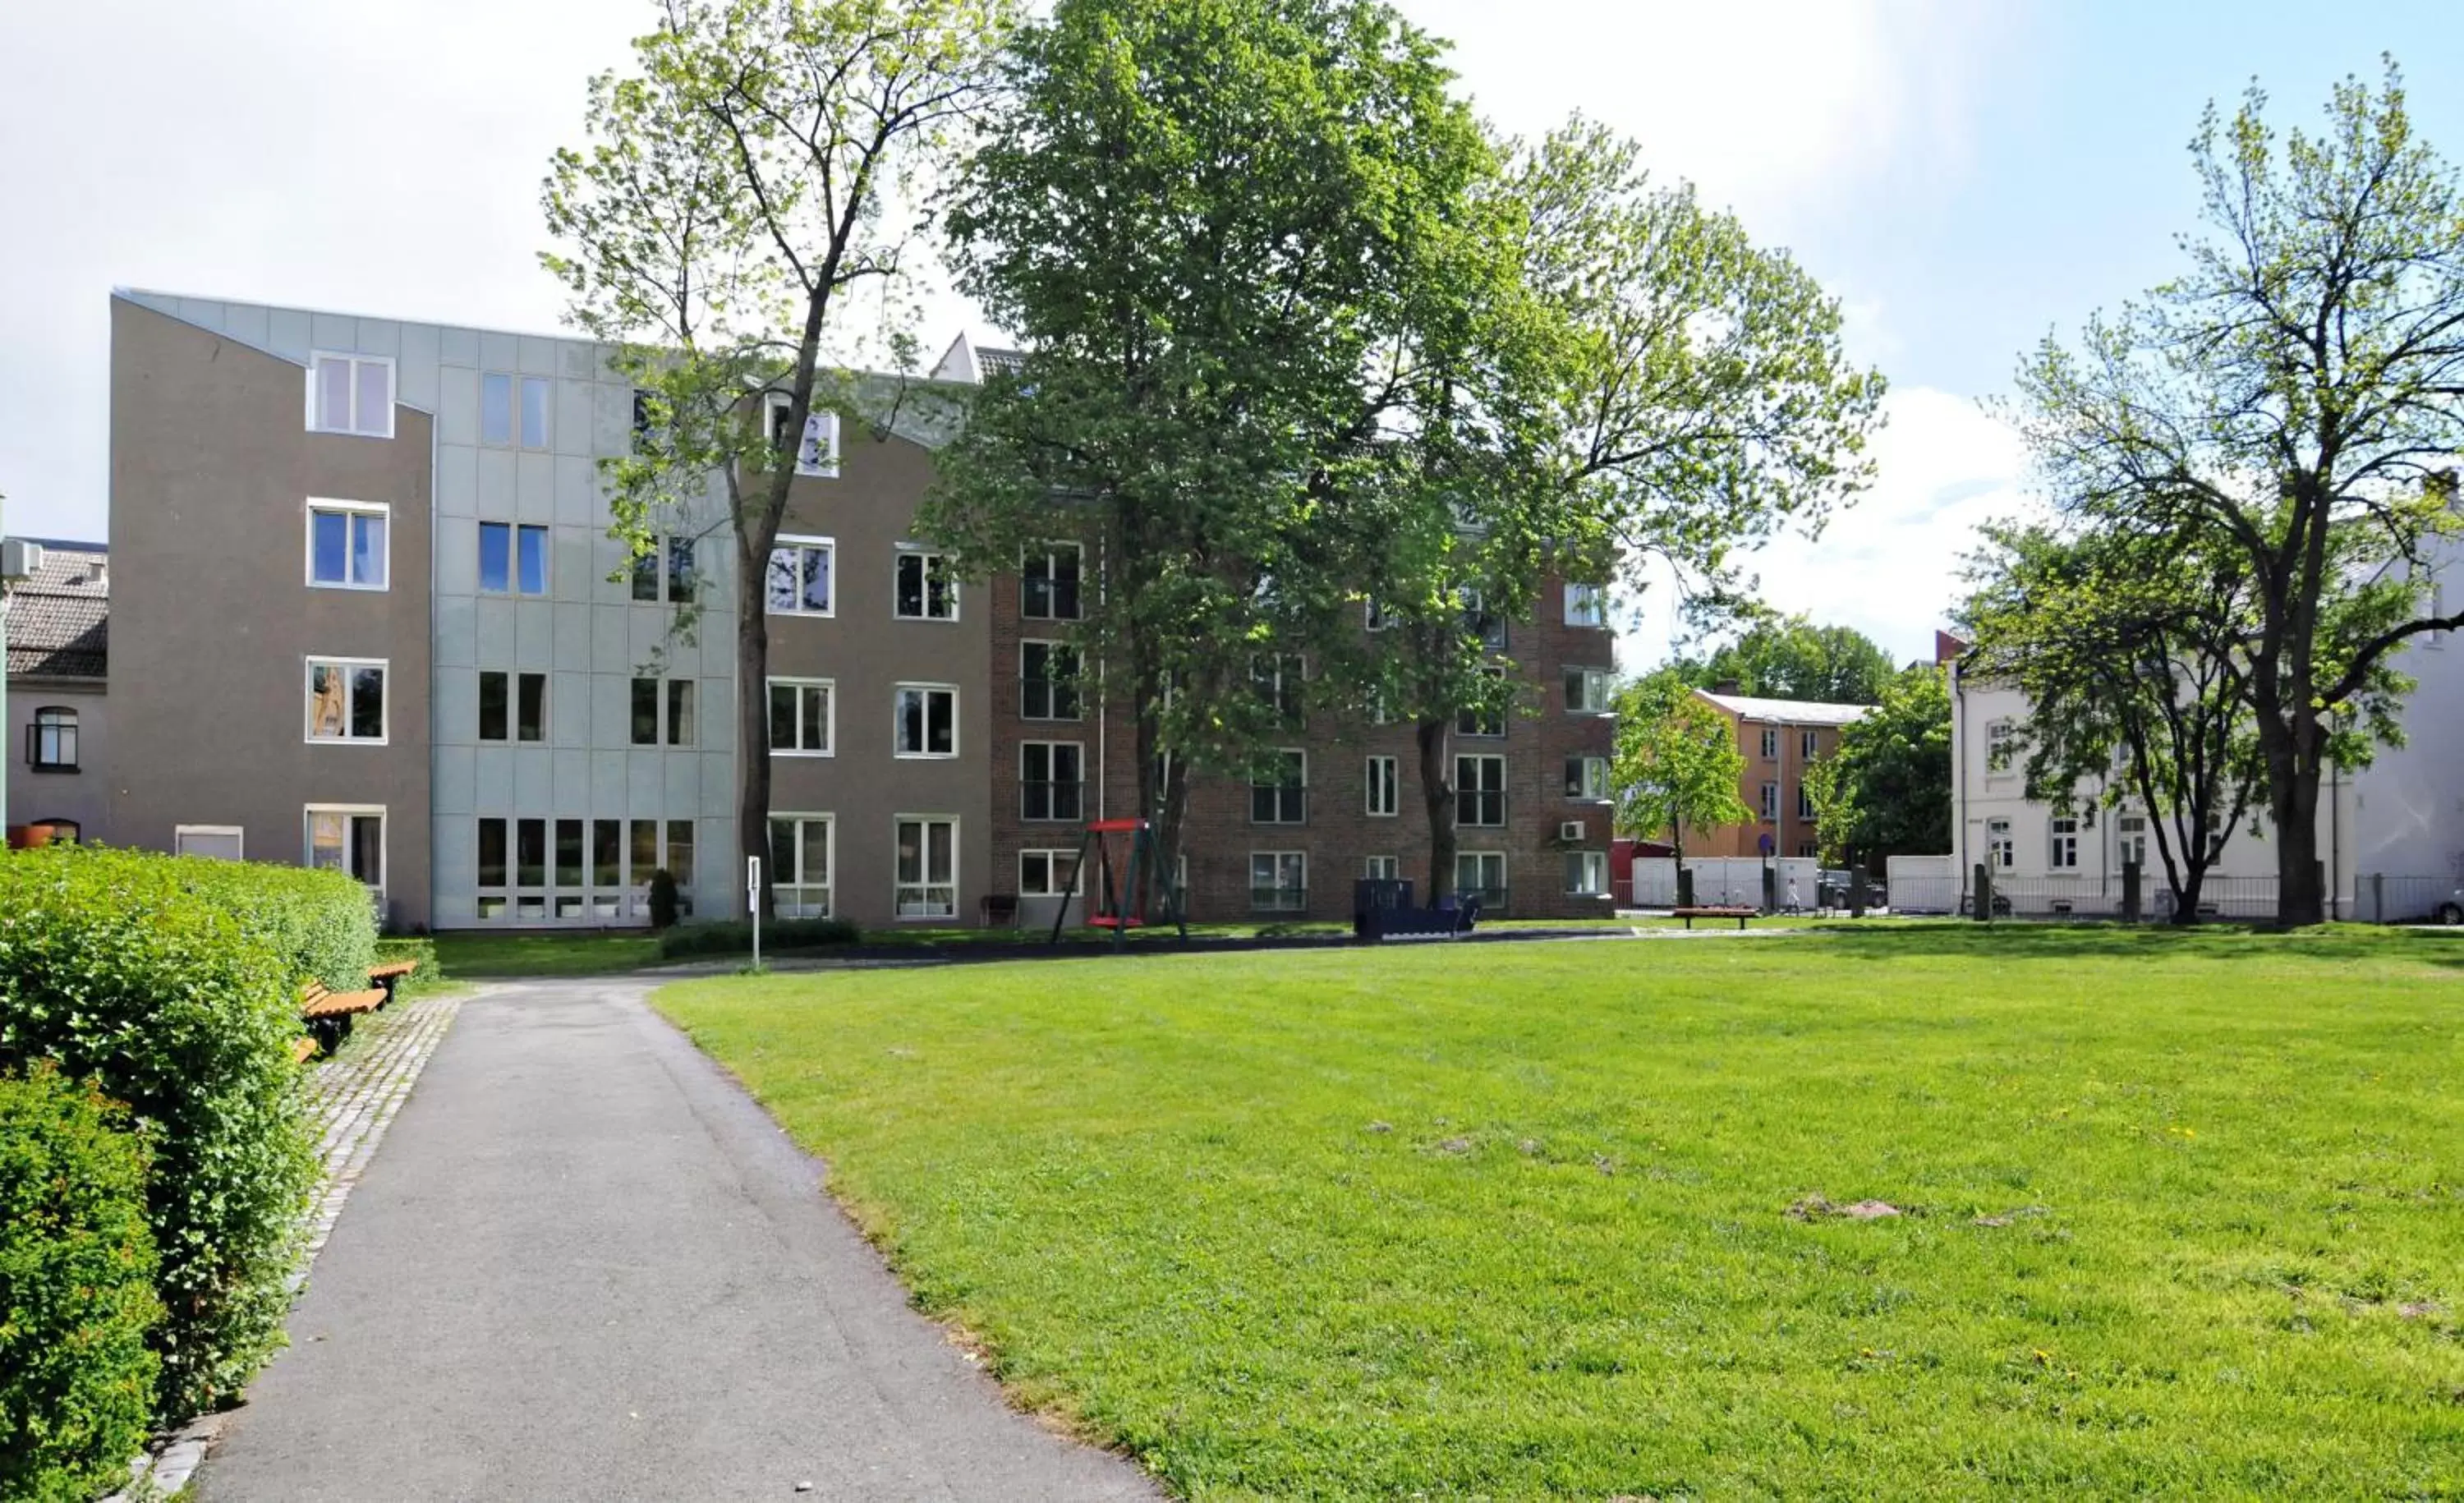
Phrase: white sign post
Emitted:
{"points": [[753, 903]]}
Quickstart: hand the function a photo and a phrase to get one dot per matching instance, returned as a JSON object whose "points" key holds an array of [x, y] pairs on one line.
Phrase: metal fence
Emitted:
{"points": [[2381, 898], [2377, 898]]}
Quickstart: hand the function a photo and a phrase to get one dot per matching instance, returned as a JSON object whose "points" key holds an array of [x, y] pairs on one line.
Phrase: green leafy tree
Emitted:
{"points": [[1886, 790], [1241, 243], [1794, 660], [741, 223], [1677, 763], [2299, 393]]}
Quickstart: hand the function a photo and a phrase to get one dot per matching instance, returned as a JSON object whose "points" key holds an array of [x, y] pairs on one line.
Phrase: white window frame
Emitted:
{"points": [[830, 550], [924, 854], [1051, 783], [897, 693], [346, 510], [1381, 869], [819, 423], [1594, 879], [2001, 852], [1384, 775], [1598, 689], [1463, 791], [1770, 801], [385, 833], [515, 383], [1771, 744], [1060, 862], [930, 557], [1587, 604], [783, 883], [1279, 886], [830, 688], [1804, 801], [1281, 787], [1485, 724], [237, 833], [356, 428], [2055, 835], [2128, 831], [1077, 684], [1481, 859], [308, 702], [1051, 551], [1998, 735], [1593, 787], [514, 531]]}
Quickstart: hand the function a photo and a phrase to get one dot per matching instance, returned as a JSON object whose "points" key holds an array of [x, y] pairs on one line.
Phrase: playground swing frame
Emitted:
{"points": [[1118, 906]]}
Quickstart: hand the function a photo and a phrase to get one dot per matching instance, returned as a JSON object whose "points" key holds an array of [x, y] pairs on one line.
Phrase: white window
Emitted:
{"points": [[926, 716], [1805, 744], [800, 577], [512, 411], [1278, 881], [1587, 690], [1385, 786], [926, 587], [221, 842], [350, 394], [1279, 795], [1051, 780], [1997, 745], [1587, 778], [1048, 583], [1047, 873], [347, 543], [1383, 869], [2062, 854], [1771, 744], [1587, 873], [513, 559], [1999, 851], [817, 454], [803, 716], [1771, 802], [348, 837], [1047, 682], [1480, 790], [1481, 874], [799, 864], [346, 699], [1479, 621], [663, 704], [928, 867], [52, 739], [2130, 832], [672, 566], [1279, 680], [1587, 605], [1489, 721]]}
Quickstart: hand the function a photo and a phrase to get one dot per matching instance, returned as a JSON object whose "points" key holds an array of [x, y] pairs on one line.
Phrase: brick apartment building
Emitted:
{"points": [[1780, 739], [369, 617]]}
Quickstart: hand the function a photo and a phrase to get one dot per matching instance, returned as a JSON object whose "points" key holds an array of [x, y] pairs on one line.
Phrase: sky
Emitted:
{"points": [[1964, 175]]}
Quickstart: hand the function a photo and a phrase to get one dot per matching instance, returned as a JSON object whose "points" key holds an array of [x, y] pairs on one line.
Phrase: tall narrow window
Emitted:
{"points": [[925, 590], [1048, 583], [1279, 794], [643, 839], [2062, 854], [799, 579], [1771, 802], [1771, 744], [607, 854], [1384, 785], [680, 712], [799, 864], [646, 712], [494, 707], [568, 853], [346, 699], [1483, 623], [350, 394], [346, 544], [1480, 790], [530, 718], [1047, 682], [492, 853], [1280, 679], [2130, 832], [927, 879], [2000, 852], [680, 861], [683, 577], [52, 739], [817, 450], [926, 716], [530, 852]]}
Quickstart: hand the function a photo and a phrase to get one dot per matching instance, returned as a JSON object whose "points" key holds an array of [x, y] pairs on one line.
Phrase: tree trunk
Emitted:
{"points": [[1438, 793], [2293, 807], [753, 710]]}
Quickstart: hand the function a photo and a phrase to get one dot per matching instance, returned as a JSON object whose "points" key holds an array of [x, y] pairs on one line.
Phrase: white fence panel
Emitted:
{"points": [[1655, 881], [1920, 885]]}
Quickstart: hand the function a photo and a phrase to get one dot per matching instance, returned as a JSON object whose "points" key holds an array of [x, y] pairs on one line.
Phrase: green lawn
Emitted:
{"points": [[467, 955], [2184, 1215]]}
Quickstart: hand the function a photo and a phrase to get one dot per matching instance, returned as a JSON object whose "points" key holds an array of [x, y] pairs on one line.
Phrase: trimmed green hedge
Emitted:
{"points": [[174, 981], [735, 938], [76, 1291]]}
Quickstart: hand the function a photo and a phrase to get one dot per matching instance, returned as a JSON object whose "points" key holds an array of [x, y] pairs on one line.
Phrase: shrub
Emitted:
{"points": [[423, 950], [175, 982], [76, 1291], [663, 900], [737, 938]]}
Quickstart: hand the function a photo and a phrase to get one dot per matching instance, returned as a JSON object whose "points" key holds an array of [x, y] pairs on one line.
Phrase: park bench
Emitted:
{"points": [[1739, 912], [386, 977], [329, 1014]]}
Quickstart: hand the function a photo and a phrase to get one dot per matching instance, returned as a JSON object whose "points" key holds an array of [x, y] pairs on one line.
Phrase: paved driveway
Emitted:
{"points": [[584, 1265]]}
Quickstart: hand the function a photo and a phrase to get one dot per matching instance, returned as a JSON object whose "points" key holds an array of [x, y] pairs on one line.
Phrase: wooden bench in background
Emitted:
{"points": [[1716, 911], [386, 977]]}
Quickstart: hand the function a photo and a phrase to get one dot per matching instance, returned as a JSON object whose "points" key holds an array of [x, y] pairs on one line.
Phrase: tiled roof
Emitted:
{"points": [[998, 362], [59, 621], [1788, 712]]}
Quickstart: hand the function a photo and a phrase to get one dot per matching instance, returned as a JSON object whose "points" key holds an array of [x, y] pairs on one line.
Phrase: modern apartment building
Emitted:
{"points": [[1780, 738], [369, 617]]}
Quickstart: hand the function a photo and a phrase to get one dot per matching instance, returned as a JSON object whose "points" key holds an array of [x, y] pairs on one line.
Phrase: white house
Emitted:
{"points": [[2392, 833]]}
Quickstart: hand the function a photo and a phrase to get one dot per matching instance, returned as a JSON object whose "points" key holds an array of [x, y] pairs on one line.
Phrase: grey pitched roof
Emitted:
{"points": [[59, 621], [1788, 712]]}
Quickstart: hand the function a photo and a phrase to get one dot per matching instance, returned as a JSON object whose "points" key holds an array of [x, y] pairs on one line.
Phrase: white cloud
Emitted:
{"points": [[1888, 565]]}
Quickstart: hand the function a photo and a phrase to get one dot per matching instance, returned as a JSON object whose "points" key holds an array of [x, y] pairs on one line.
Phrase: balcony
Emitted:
{"points": [[1279, 899]]}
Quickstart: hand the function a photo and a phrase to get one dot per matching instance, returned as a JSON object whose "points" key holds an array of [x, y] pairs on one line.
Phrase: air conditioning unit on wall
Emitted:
{"points": [[1570, 831]]}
